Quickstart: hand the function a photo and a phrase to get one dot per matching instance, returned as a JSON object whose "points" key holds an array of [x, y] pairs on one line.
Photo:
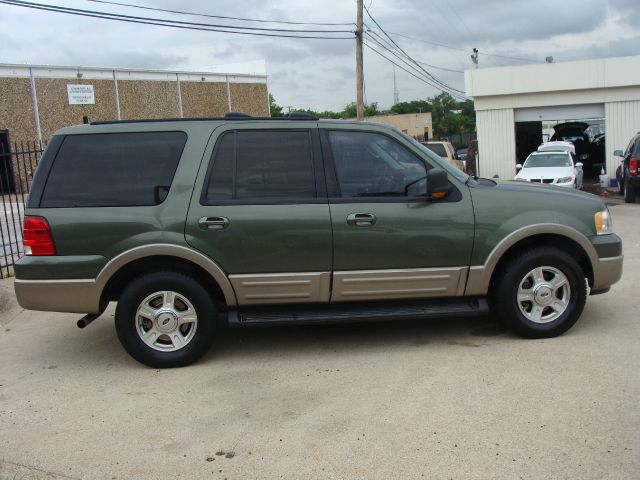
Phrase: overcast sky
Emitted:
{"points": [[320, 74]]}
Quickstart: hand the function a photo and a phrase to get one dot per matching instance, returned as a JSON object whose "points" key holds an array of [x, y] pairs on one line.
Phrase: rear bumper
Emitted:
{"points": [[77, 296]]}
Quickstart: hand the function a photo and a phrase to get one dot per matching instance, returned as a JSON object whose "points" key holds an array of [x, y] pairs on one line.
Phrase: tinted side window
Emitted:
{"points": [[437, 148], [113, 169], [267, 165], [374, 165], [220, 185]]}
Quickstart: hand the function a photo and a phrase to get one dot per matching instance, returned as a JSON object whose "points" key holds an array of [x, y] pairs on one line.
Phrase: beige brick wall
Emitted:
{"points": [[54, 108], [148, 99], [251, 98], [204, 99], [16, 109]]}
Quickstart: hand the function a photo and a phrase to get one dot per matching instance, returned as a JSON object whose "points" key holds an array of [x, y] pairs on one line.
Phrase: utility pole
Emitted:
{"points": [[359, 72]]}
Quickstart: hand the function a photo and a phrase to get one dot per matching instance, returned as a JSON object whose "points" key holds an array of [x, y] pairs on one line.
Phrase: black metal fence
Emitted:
{"points": [[17, 164]]}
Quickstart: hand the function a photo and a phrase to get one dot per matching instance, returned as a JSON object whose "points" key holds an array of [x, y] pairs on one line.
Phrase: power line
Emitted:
{"points": [[395, 50], [371, 32], [407, 71], [179, 24], [179, 12], [521, 59], [412, 69], [434, 78]]}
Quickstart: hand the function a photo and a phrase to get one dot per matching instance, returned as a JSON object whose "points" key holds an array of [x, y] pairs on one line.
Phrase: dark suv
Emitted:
{"points": [[288, 221], [627, 172]]}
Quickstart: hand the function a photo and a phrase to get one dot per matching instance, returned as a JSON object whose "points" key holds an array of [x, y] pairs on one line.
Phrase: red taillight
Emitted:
{"points": [[37, 237], [633, 166]]}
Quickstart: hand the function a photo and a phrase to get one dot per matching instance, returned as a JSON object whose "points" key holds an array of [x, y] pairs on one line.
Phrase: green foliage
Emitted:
{"points": [[450, 116], [274, 109], [414, 106]]}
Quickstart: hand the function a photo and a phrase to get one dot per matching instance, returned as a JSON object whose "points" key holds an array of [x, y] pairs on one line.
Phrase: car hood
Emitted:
{"points": [[574, 126], [545, 172]]}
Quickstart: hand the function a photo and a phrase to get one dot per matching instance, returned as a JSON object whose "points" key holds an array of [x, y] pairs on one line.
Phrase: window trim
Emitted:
{"points": [[333, 185], [315, 154], [48, 168]]}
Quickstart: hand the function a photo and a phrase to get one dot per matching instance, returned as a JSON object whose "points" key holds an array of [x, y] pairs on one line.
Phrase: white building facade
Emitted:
{"points": [[606, 89]]}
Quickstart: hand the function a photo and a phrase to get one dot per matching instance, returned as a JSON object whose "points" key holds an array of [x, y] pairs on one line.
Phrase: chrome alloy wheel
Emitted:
{"points": [[543, 294], [166, 321]]}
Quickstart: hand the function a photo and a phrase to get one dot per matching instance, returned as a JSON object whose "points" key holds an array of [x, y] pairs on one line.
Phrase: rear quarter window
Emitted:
{"points": [[113, 169]]}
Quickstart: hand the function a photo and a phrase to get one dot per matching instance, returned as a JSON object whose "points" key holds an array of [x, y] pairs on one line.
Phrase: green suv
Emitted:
{"points": [[287, 221]]}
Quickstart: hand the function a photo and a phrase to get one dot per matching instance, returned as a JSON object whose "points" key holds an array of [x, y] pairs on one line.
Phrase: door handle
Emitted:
{"points": [[361, 219], [213, 223]]}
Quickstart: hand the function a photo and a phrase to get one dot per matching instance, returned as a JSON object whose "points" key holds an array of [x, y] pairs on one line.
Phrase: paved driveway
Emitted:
{"points": [[455, 398]]}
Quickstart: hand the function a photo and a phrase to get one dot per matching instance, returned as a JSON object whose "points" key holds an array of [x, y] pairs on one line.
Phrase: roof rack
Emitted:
{"points": [[227, 116]]}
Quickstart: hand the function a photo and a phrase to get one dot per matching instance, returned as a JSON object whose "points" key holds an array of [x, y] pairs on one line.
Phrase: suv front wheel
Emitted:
{"points": [[165, 319], [540, 293]]}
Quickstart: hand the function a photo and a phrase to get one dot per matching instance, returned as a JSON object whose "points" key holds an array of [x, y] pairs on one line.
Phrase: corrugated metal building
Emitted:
{"points": [[511, 100]]}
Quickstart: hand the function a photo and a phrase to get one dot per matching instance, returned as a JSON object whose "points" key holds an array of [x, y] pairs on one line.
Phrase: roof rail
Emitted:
{"points": [[300, 116], [227, 116], [237, 115]]}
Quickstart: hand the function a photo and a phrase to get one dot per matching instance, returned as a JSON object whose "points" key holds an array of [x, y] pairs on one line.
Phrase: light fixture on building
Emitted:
{"points": [[203, 79], [79, 75], [548, 59]]}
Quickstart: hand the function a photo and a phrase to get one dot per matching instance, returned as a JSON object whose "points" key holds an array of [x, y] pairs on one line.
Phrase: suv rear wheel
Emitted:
{"points": [[165, 319], [540, 293]]}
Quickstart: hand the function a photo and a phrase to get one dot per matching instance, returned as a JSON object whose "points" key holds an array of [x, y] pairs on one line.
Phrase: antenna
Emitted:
{"points": [[396, 94], [474, 57]]}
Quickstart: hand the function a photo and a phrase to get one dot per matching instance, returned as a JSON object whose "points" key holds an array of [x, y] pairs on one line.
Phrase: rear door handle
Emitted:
{"points": [[213, 223], [361, 219]]}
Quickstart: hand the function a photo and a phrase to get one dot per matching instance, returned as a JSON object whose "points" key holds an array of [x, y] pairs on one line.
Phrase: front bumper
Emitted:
{"points": [[607, 270]]}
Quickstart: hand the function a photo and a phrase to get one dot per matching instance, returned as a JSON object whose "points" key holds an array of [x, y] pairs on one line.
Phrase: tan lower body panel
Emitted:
{"points": [[263, 289], [80, 296], [359, 285]]}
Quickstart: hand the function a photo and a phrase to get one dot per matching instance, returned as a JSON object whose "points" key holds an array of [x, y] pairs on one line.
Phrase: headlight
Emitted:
{"points": [[518, 179], [565, 180], [604, 225]]}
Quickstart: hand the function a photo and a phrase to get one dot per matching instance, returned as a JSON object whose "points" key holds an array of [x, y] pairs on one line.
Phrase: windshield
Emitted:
{"points": [[542, 160], [439, 161], [437, 148]]}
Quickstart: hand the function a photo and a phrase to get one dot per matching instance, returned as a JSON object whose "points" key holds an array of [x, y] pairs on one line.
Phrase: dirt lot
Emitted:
{"points": [[457, 398]]}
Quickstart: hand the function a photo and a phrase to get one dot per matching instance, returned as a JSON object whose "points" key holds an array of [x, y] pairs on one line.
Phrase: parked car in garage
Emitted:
{"points": [[551, 165], [446, 151], [627, 172], [588, 140]]}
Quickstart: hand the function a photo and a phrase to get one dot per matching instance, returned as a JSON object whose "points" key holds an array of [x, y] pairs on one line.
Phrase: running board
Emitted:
{"points": [[357, 312]]}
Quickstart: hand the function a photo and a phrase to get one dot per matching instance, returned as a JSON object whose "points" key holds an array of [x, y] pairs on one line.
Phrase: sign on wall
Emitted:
{"points": [[80, 94]]}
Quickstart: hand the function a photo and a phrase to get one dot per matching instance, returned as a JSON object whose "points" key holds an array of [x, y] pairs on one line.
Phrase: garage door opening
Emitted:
{"points": [[581, 125], [587, 136]]}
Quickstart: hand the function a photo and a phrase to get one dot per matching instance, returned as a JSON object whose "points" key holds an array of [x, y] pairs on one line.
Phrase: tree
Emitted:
{"points": [[274, 109], [446, 119], [413, 106]]}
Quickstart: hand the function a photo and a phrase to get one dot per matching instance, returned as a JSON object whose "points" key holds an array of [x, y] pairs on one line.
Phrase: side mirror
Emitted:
{"points": [[518, 167], [579, 165], [618, 153], [437, 183]]}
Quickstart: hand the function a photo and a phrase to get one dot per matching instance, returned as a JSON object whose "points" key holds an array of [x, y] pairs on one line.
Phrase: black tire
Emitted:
{"points": [[629, 194], [620, 180], [127, 322], [505, 292]]}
